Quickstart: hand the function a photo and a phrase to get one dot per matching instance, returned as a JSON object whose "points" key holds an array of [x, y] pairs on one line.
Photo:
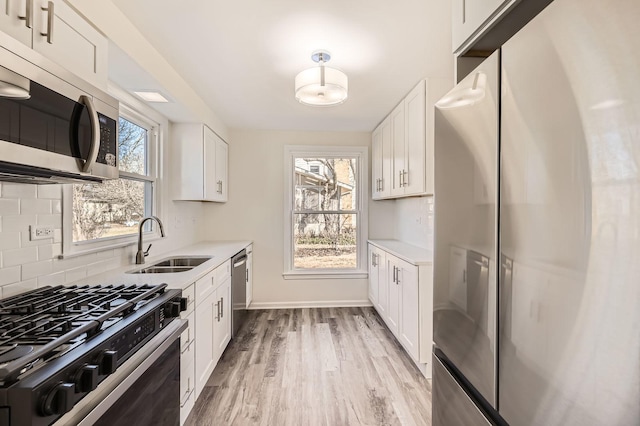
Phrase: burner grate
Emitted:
{"points": [[55, 319]]}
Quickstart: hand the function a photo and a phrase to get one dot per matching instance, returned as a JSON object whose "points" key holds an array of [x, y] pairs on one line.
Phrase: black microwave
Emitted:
{"points": [[54, 128]]}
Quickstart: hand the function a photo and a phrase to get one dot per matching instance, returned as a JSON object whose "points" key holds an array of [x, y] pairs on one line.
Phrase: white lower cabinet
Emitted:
{"points": [[207, 335], [405, 302], [213, 321], [187, 356]]}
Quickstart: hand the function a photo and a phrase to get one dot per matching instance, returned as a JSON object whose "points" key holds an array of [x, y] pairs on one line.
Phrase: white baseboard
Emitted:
{"points": [[309, 304]]}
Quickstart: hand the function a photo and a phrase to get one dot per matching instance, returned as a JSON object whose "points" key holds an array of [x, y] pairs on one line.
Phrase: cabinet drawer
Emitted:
{"points": [[223, 272], [189, 293], [188, 336], [205, 286]]}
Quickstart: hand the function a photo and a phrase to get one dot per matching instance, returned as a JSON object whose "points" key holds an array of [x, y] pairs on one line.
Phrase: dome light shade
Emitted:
{"points": [[321, 85]]}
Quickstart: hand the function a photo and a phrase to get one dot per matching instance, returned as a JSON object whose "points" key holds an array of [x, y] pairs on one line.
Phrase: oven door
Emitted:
{"points": [[143, 391]]}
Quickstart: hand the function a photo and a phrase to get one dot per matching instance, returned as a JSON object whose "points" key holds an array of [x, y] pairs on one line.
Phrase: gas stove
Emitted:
{"points": [[57, 344]]}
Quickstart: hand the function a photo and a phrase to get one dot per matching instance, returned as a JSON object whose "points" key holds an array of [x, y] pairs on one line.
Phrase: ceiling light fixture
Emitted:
{"points": [[321, 85], [151, 96]]}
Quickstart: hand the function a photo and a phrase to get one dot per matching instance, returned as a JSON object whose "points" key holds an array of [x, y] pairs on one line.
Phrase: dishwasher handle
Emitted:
{"points": [[240, 261]]}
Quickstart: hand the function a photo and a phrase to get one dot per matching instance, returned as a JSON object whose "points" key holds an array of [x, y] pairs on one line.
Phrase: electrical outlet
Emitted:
{"points": [[40, 232]]}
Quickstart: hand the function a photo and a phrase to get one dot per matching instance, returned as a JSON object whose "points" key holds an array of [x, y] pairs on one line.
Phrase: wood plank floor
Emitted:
{"points": [[324, 366]]}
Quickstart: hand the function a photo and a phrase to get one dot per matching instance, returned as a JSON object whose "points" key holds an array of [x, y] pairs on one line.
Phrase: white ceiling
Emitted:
{"points": [[242, 56]]}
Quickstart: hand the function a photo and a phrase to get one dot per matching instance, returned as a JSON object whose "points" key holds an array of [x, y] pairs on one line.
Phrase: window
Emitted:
{"points": [[107, 214], [326, 198]]}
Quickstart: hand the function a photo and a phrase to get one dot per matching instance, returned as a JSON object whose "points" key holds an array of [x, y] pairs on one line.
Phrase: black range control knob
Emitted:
{"points": [[59, 400], [86, 378], [174, 309], [107, 361]]}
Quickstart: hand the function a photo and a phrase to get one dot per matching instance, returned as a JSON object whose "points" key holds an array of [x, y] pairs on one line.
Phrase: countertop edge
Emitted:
{"points": [[221, 251], [413, 254]]}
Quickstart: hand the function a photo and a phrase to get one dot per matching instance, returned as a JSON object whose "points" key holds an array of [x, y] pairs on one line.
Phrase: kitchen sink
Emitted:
{"points": [[191, 261], [162, 270], [173, 265]]}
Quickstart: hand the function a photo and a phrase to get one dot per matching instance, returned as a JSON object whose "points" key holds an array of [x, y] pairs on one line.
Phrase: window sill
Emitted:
{"points": [[325, 275]]}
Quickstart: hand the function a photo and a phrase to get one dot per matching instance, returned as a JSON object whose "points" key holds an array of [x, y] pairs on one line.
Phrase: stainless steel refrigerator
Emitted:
{"points": [[537, 226]]}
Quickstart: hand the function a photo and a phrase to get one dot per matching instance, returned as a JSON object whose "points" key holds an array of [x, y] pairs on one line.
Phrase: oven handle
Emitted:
{"points": [[109, 391]]}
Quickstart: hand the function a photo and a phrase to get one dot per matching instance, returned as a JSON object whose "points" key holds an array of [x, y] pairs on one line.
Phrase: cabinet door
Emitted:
{"points": [[407, 277], [210, 183], [387, 158], [66, 38], [11, 12], [222, 158], [374, 274], [382, 306], [376, 163], [206, 313], [414, 156], [398, 150], [249, 275], [393, 311], [222, 322]]}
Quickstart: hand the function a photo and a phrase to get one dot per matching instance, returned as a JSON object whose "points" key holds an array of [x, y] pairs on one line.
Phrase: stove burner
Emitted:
{"points": [[15, 353]]}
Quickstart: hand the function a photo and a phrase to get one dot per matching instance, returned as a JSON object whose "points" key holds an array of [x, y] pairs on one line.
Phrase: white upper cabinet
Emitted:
{"points": [[403, 164], [13, 19], [56, 31], [200, 159], [381, 159], [399, 142]]}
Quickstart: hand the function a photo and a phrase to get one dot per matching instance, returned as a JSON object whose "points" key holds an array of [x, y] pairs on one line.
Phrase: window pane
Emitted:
{"points": [[324, 241], [109, 209], [132, 146], [325, 184]]}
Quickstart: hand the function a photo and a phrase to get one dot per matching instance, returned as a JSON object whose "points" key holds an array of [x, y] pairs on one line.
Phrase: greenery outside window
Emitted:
{"points": [[325, 201]]}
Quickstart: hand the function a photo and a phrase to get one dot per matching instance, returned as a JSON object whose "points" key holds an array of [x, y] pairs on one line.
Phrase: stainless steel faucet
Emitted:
{"points": [[140, 255]]}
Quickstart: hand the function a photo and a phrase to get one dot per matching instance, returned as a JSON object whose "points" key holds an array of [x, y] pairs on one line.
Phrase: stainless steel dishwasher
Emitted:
{"points": [[238, 291]]}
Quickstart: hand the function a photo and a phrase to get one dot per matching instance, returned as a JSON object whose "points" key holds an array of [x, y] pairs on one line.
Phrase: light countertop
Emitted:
{"points": [[220, 252], [410, 253]]}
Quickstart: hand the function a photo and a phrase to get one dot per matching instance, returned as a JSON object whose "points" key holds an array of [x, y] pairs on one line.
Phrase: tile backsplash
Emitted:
{"points": [[26, 265], [414, 221]]}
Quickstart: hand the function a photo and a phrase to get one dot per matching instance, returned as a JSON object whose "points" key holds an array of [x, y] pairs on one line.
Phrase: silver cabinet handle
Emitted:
{"points": [[373, 259], [50, 18], [219, 187], [28, 14], [397, 275], [218, 311], [400, 174], [405, 181], [222, 307], [381, 184], [95, 133], [394, 274]]}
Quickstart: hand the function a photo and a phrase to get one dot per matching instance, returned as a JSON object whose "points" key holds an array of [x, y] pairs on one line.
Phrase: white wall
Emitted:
{"points": [[255, 211]]}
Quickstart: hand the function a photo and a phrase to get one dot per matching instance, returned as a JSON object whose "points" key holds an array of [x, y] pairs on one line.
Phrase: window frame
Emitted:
{"points": [[153, 158], [360, 153]]}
